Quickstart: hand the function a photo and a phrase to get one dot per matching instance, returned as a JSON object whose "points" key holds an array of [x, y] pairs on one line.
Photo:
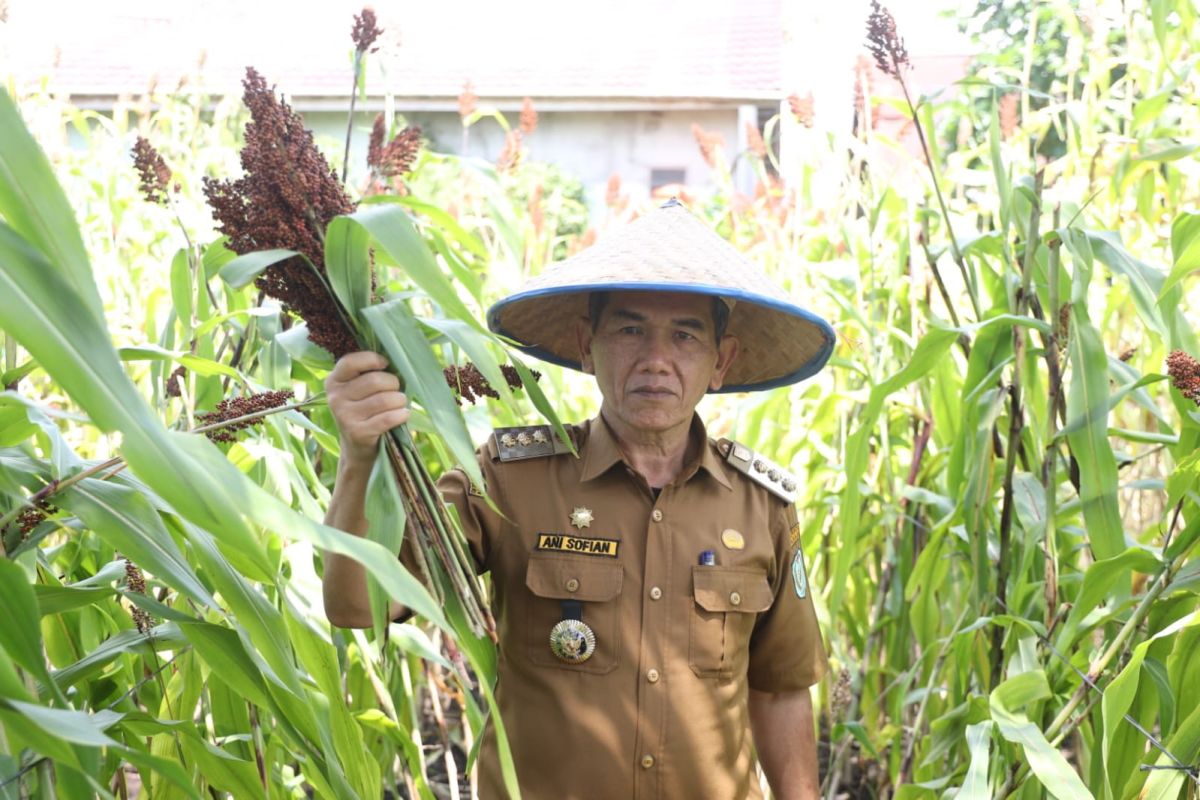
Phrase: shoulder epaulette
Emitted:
{"points": [[531, 441], [760, 469]]}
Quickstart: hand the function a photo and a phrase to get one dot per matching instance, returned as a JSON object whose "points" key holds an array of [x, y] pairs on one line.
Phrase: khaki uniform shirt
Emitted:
{"points": [[660, 708]]}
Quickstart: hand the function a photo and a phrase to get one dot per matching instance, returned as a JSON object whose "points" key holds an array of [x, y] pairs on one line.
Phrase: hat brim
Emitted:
{"points": [[542, 322]]}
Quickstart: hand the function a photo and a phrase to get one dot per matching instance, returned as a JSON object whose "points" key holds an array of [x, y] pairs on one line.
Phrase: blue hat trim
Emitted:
{"points": [[808, 369]]}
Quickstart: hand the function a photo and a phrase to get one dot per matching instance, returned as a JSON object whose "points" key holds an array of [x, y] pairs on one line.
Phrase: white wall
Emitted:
{"points": [[589, 145]]}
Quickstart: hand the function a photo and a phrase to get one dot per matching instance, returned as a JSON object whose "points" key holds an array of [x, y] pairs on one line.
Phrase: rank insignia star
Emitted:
{"points": [[581, 517]]}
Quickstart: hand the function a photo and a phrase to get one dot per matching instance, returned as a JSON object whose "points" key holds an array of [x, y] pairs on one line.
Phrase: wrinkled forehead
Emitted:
{"points": [[657, 304]]}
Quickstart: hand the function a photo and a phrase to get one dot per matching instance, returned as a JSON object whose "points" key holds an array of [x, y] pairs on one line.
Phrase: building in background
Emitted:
{"points": [[618, 86]]}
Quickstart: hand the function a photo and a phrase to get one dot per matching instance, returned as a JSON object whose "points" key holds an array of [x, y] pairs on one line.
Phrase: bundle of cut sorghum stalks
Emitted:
{"points": [[285, 199]]}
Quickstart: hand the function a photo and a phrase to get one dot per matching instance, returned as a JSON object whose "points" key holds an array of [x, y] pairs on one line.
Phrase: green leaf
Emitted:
{"points": [[222, 649], [20, 635], [1046, 763], [1100, 582], [394, 231], [386, 519], [1118, 697], [163, 637], [348, 263], [127, 522], [409, 351], [181, 291], [242, 270], [57, 599], [1185, 249], [1184, 744], [34, 205], [929, 352], [975, 785]]}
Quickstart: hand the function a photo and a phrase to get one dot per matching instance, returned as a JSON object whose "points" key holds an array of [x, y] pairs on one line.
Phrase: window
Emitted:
{"points": [[665, 177]]}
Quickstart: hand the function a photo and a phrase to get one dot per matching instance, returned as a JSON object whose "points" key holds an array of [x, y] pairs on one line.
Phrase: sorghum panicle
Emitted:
{"points": [[884, 42], [152, 171], [175, 382], [1185, 374], [708, 144], [365, 31], [401, 152], [233, 407], [375, 143], [285, 199], [136, 581], [529, 117], [802, 108], [510, 154], [468, 101], [468, 383]]}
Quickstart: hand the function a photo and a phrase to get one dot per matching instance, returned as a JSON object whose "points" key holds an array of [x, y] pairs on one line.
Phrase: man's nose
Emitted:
{"points": [[655, 353]]}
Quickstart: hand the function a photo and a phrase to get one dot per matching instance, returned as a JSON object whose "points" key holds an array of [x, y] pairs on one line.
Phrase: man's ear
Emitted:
{"points": [[583, 335], [727, 353]]}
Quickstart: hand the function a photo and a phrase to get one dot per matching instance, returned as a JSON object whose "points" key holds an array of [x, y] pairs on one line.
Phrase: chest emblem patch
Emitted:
{"points": [[563, 543], [572, 641], [582, 517], [799, 579], [733, 540]]}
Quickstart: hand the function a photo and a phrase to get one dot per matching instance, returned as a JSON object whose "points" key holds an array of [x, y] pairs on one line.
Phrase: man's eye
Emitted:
{"points": [[684, 335], [630, 329]]}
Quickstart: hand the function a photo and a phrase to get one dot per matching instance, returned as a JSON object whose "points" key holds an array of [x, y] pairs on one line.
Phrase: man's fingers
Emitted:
{"points": [[377, 404], [384, 421], [368, 384], [351, 365]]}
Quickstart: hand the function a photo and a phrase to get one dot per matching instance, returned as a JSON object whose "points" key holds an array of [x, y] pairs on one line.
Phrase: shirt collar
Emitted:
{"points": [[602, 452]]}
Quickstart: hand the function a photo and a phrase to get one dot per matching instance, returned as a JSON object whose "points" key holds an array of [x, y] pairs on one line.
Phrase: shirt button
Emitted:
{"points": [[735, 598], [647, 761], [652, 675], [657, 515], [655, 593], [572, 585]]}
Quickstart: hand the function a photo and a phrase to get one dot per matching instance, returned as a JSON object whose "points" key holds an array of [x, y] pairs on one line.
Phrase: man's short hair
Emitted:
{"points": [[598, 301]]}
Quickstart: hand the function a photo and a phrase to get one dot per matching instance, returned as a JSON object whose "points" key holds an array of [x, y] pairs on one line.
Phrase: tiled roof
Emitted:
{"points": [[711, 49]]}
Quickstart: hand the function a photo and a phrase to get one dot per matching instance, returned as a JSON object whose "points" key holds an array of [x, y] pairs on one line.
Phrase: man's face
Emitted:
{"points": [[654, 355]]}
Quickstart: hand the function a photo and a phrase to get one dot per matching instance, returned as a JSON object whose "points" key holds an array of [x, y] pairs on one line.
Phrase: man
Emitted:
{"points": [[651, 599]]}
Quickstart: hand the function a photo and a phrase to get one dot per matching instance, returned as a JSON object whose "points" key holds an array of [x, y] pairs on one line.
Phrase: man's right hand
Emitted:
{"points": [[366, 403]]}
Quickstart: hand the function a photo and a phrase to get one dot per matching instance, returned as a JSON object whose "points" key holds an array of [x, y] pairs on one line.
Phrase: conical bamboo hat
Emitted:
{"points": [[670, 250]]}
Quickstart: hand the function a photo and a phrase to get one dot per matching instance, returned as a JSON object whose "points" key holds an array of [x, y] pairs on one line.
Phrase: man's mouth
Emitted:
{"points": [[654, 391]]}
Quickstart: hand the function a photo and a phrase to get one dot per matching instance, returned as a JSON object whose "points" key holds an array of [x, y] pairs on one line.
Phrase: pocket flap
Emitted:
{"points": [[573, 578], [731, 589]]}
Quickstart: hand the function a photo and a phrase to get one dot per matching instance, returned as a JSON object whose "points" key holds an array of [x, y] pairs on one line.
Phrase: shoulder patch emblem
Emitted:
{"points": [[760, 469], [534, 441], [799, 578]]}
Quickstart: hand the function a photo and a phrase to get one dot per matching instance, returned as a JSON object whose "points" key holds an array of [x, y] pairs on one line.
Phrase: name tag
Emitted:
{"points": [[578, 544]]}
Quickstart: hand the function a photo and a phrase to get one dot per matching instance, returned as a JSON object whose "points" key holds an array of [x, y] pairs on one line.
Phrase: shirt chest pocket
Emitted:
{"points": [[728, 601], [561, 585]]}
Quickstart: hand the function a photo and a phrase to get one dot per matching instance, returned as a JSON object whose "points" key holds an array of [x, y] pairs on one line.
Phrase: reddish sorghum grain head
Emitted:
{"points": [[233, 407], [152, 171], [529, 116], [884, 41], [802, 108], [175, 382], [365, 31], [1185, 374], [401, 152], [286, 197], [708, 144], [468, 383], [468, 101], [510, 155], [375, 143]]}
